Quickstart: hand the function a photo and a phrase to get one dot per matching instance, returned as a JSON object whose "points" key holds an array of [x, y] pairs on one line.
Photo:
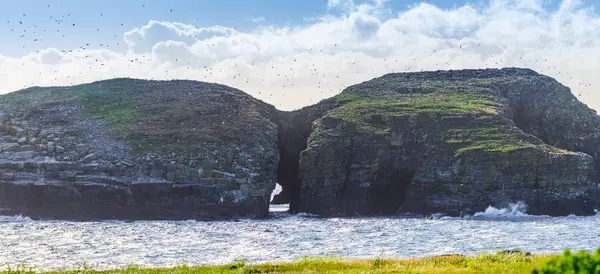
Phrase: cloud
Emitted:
{"points": [[144, 38], [295, 65], [258, 19], [364, 25], [340, 4], [49, 56]]}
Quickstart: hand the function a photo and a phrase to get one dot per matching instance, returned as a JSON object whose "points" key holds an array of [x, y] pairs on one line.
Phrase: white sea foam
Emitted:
{"points": [[518, 209], [276, 191], [511, 211], [15, 219], [279, 208]]}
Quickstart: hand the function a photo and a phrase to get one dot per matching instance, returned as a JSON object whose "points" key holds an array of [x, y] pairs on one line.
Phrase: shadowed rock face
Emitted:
{"points": [[295, 127], [452, 142], [135, 149]]}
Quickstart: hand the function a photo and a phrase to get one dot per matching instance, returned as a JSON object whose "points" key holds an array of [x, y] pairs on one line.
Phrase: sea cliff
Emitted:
{"points": [[451, 142]]}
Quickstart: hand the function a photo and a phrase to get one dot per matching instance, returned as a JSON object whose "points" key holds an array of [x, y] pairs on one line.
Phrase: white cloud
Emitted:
{"points": [[293, 66], [348, 4], [49, 56], [432, 21], [259, 19], [144, 38]]}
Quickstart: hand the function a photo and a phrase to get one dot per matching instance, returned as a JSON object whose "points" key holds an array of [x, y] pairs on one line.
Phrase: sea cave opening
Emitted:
{"points": [[387, 197]]}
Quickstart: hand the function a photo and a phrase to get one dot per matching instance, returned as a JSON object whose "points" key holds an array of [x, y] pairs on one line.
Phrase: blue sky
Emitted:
{"points": [[98, 22], [294, 53]]}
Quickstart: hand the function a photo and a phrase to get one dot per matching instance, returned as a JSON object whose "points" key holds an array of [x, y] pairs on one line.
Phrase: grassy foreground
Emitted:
{"points": [[494, 263]]}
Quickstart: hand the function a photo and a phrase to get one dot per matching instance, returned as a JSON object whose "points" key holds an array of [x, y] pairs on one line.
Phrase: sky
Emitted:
{"points": [[294, 53]]}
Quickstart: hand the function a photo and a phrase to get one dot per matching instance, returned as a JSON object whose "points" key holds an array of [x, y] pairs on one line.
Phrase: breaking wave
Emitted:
{"points": [[276, 191], [518, 209], [15, 219]]}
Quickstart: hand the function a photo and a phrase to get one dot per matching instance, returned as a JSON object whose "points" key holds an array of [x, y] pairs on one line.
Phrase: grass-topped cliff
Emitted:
{"points": [[443, 141], [452, 142], [98, 150]]}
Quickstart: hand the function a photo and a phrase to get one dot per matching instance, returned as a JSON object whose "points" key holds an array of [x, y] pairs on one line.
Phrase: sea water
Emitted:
{"points": [[51, 245]]}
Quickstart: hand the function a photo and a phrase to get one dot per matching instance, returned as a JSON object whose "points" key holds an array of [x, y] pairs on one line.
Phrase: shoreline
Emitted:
{"points": [[508, 261], [274, 215]]}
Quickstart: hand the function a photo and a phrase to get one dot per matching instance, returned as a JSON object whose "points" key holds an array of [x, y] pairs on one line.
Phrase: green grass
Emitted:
{"points": [[488, 137], [493, 147], [480, 129], [410, 104], [490, 133], [400, 94], [181, 119], [362, 110], [8, 129], [568, 262], [501, 262], [493, 263], [117, 107], [114, 104]]}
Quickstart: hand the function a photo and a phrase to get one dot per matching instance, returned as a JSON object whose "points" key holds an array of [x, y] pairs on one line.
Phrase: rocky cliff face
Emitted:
{"points": [[135, 149], [452, 142], [449, 142]]}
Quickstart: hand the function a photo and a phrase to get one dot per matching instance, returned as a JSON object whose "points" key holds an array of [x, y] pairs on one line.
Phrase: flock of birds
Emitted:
{"points": [[323, 81]]}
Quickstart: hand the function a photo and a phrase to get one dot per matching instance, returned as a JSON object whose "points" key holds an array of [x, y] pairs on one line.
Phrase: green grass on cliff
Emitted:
{"points": [[114, 103], [361, 110], [400, 94], [170, 116], [488, 134], [494, 263], [117, 107], [355, 106], [478, 128]]}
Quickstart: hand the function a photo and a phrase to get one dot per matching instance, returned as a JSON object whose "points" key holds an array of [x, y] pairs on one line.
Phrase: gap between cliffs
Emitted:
{"points": [[294, 129]]}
